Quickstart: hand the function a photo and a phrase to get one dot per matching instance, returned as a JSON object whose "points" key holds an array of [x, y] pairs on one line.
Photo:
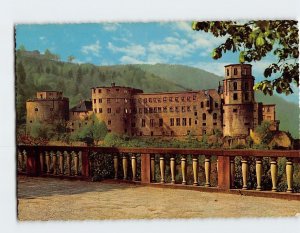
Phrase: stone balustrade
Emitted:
{"points": [[154, 165]]}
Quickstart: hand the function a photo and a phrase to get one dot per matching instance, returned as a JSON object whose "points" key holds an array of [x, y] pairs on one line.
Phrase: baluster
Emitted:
{"points": [[20, 160], [133, 166], [195, 170], [162, 168], [289, 174], [259, 170], [152, 167], [47, 157], [232, 171], [61, 162], [116, 166], [207, 168], [245, 172], [125, 166], [42, 162], [183, 169], [76, 163], [69, 164], [274, 173], [54, 162], [25, 160], [172, 168]]}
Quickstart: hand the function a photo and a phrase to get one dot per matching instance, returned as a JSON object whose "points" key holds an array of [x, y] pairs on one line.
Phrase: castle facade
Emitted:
{"points": [[231, 109]]}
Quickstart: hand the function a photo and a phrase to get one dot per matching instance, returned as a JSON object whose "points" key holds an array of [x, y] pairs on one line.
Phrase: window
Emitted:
{"points": [[145, 100], [99, 90], [165, 99], [202, 104], [204, 132], [195, 108], [188, 108], [235, 96], [268, 109], [171, 121], [190, 121], [165, 109], [109, 110], [145, 110], [246, 96], [207, 103], [234, 110], [235, 71], [94, 101], [140, 110], [161, 122], [188, 98], [151, 133], [140, 100], [177, 121], [151, 122], [117, 89], [150, 100], [204, 124], [31, 122], [215, 123], [195, 113], [171, 99], [159, 109], [216, 105], [94, 90], [154, 100], [235, 86], [143, 122], [150, 110], [159, 100], [183, 121], [108, 100], [182, 98], [196, 122], [100, 110], [176, 99], [204, 116], [100, 101], [246, 86], [215, 116], [141, 133], [227, 70], [171, 109], [194, 97], [188, 132], [109, 122], [155, 110], [95, 110], [183, 109], [176, 109], [244, 71]]}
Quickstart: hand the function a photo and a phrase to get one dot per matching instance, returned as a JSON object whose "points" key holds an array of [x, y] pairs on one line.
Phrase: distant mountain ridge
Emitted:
{"points": [[75, 80]]}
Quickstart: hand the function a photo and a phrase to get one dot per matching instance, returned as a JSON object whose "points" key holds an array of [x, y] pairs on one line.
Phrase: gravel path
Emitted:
{"points": [[52, 199]]}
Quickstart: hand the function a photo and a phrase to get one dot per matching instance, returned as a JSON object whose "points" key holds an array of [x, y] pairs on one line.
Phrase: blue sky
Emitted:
{"points": [[133, 43]]}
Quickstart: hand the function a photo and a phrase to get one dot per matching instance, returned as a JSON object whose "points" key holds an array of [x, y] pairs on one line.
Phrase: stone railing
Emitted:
{"points": [[144, 165]]}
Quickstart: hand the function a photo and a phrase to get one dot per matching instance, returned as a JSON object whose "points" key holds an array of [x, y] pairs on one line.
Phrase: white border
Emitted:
{"points": [[75, 11]]}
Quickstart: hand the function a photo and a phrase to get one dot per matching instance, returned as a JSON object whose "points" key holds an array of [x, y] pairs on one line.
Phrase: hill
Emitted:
{"points": [[35, 72]]}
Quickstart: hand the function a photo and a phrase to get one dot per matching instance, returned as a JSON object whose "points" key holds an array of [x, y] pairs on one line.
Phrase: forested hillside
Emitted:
{"points": [[36, 72]]}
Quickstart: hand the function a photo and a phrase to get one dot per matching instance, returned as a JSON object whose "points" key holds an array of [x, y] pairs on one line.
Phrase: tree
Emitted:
{"points": [[255, 40], [71, 58]]}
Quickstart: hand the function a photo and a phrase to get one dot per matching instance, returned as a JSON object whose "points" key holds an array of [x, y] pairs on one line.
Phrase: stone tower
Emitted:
{"points": [[238, 100]]}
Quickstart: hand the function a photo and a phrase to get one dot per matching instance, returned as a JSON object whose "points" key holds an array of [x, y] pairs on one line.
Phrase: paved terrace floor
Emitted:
{"points": [[52, 199]]}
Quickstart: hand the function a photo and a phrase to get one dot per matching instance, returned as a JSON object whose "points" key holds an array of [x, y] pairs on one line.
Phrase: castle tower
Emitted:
{"points": [[113, 105], [238, 100]]}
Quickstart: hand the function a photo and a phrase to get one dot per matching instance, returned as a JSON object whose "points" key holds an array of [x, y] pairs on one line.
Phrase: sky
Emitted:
{"points": [[133, 43]]}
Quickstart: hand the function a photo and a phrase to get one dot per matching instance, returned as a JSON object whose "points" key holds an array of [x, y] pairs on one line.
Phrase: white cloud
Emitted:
{"points": [[130, 60], [130, 50], [42, 38], [213, 67], [110, 26], [93, 49]]}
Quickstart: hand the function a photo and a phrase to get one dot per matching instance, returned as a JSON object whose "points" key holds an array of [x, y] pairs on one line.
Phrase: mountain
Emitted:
{"points": [[36, 72]]}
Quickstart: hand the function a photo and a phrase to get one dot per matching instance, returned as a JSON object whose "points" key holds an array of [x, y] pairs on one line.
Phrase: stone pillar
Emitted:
{"points": [[42, 162], [274, 173], [76, 163], [162, 168], [47, 157], [207, 168], [125, 166], [289, 175], [61, 162], [172, 168], [245, 172], [259, 171], [68, 163], [195, 170], [152, 167], [54, 162], [116, 166], [183, 169], [232, 172], [133, 166]]}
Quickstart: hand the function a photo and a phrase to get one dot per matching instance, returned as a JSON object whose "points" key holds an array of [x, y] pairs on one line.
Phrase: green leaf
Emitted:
{"points": [[260, 41], [242, 57]]}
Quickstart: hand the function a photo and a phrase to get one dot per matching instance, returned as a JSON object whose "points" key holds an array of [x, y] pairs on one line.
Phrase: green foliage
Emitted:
{"points": [[255, 40], [90, 133], [40, 130], [264, 132]]}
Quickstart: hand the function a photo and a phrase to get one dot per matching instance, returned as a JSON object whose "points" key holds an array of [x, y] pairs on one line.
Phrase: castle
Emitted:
{"points": [[230, 109]]}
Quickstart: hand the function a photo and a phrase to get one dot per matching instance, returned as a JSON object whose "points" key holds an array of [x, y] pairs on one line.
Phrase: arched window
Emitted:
{"points": [[227, 72], [235, 71], [204, 116], [235, 86], [215, 116]]}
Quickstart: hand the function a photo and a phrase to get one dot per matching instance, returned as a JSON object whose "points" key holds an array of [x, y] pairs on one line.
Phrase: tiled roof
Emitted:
{"points": [[83, 106]]}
